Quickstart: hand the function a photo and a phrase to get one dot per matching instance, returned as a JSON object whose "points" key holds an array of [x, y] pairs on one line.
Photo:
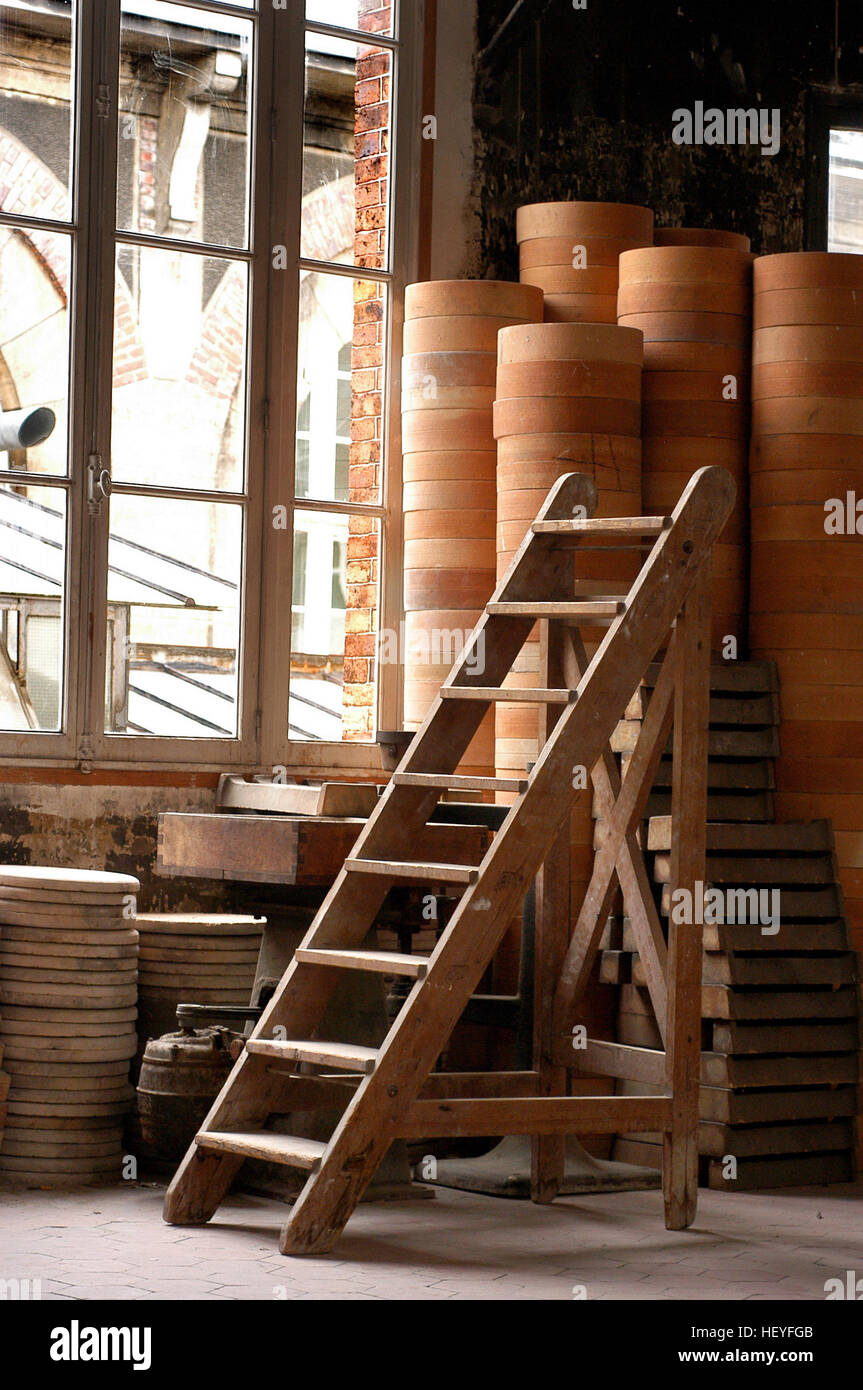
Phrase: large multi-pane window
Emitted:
{"points": [[200, 256]]}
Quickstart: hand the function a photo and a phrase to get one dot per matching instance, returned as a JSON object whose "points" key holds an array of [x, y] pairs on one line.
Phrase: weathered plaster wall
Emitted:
{"points": [[107, 828], [578, 104]]}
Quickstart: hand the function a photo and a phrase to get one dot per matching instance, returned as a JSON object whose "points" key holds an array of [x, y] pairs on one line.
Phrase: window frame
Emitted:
{"points": [[263, 740], [828, 111]]}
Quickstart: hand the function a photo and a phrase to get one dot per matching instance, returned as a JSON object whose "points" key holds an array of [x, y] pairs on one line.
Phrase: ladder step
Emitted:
{"points": [[431, 873], [340, 1056], [435, 780], [273, 1148], [508, 695], [379, 962], [604, 526], [581, 609]]}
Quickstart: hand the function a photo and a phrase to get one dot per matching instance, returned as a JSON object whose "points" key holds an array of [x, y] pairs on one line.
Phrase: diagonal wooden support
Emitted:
{"points": [[620, 859], [631, 869]]}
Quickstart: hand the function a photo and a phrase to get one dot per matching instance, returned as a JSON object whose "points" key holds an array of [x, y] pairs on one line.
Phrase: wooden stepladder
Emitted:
{"points": [[388, 1092]]}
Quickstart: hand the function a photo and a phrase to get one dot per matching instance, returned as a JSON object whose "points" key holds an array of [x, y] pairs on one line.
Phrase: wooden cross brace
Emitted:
{"points": [[620, 860]]}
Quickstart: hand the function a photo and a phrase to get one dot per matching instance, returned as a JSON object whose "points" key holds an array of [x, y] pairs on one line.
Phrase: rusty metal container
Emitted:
{"points": [[181, 1074]]}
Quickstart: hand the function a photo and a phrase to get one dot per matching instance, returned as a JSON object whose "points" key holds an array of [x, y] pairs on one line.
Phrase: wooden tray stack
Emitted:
{"points": [[780, 1062], [568, 400], [193, 958], [571, 251], [68, 990], [448, 382], [780, 1015], [692, 304], [807, 581]]}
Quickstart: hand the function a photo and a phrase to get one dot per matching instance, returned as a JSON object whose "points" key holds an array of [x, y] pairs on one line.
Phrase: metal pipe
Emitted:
{"points": [[23, 429]]}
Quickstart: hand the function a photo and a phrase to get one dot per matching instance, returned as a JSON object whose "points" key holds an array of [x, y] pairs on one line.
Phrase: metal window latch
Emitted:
{"points": [[98, 484]]}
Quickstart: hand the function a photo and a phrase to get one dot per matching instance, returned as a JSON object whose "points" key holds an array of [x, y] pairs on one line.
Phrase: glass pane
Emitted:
{"points": [[845, 215], [184, 144], [37, 64], [339, 389], [370, 16], [174, 584], [334, 624], [32, 570], [34, 349], [346, 153], [180, 334]]}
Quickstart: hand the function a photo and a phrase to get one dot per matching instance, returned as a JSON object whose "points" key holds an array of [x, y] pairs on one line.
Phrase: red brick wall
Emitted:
{"points": [[371, 149]]}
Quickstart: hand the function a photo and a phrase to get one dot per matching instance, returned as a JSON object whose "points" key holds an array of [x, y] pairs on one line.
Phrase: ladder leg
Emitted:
{"points": [[548, 1151], [553, 909], [202, 1180], [688, 858]]}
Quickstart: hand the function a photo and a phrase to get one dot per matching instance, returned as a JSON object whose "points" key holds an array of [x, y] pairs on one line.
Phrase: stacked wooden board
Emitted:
{"points": [[568, 400], [571, 251], [700, 236], [693, 305], [448, 388], [807, 551], [781, 1008], [68, 991], [193, 958]]}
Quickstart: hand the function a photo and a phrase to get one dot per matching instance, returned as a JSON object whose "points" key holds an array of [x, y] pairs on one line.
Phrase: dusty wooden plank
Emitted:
{"points": [[615, 1059], [740, 1039], [354, 799], [342, 1056], [717, 1140], [803, 970], [793, 936], [833, 1069], [797, 903], [554, 1115], [624, 526], [722, 1002], [578, 610], [378, 962], [762, 1107], [722, 743], [460, 783], [736, 676], [756, 1175], [798, 837], [754, 871], [479, 1085], [747, 808], [739, 711], [745, 776], [264, 1144]]}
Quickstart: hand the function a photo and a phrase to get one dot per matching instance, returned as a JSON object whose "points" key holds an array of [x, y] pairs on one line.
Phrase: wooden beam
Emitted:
{"points": [[538, 1115], [620, 855]]}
